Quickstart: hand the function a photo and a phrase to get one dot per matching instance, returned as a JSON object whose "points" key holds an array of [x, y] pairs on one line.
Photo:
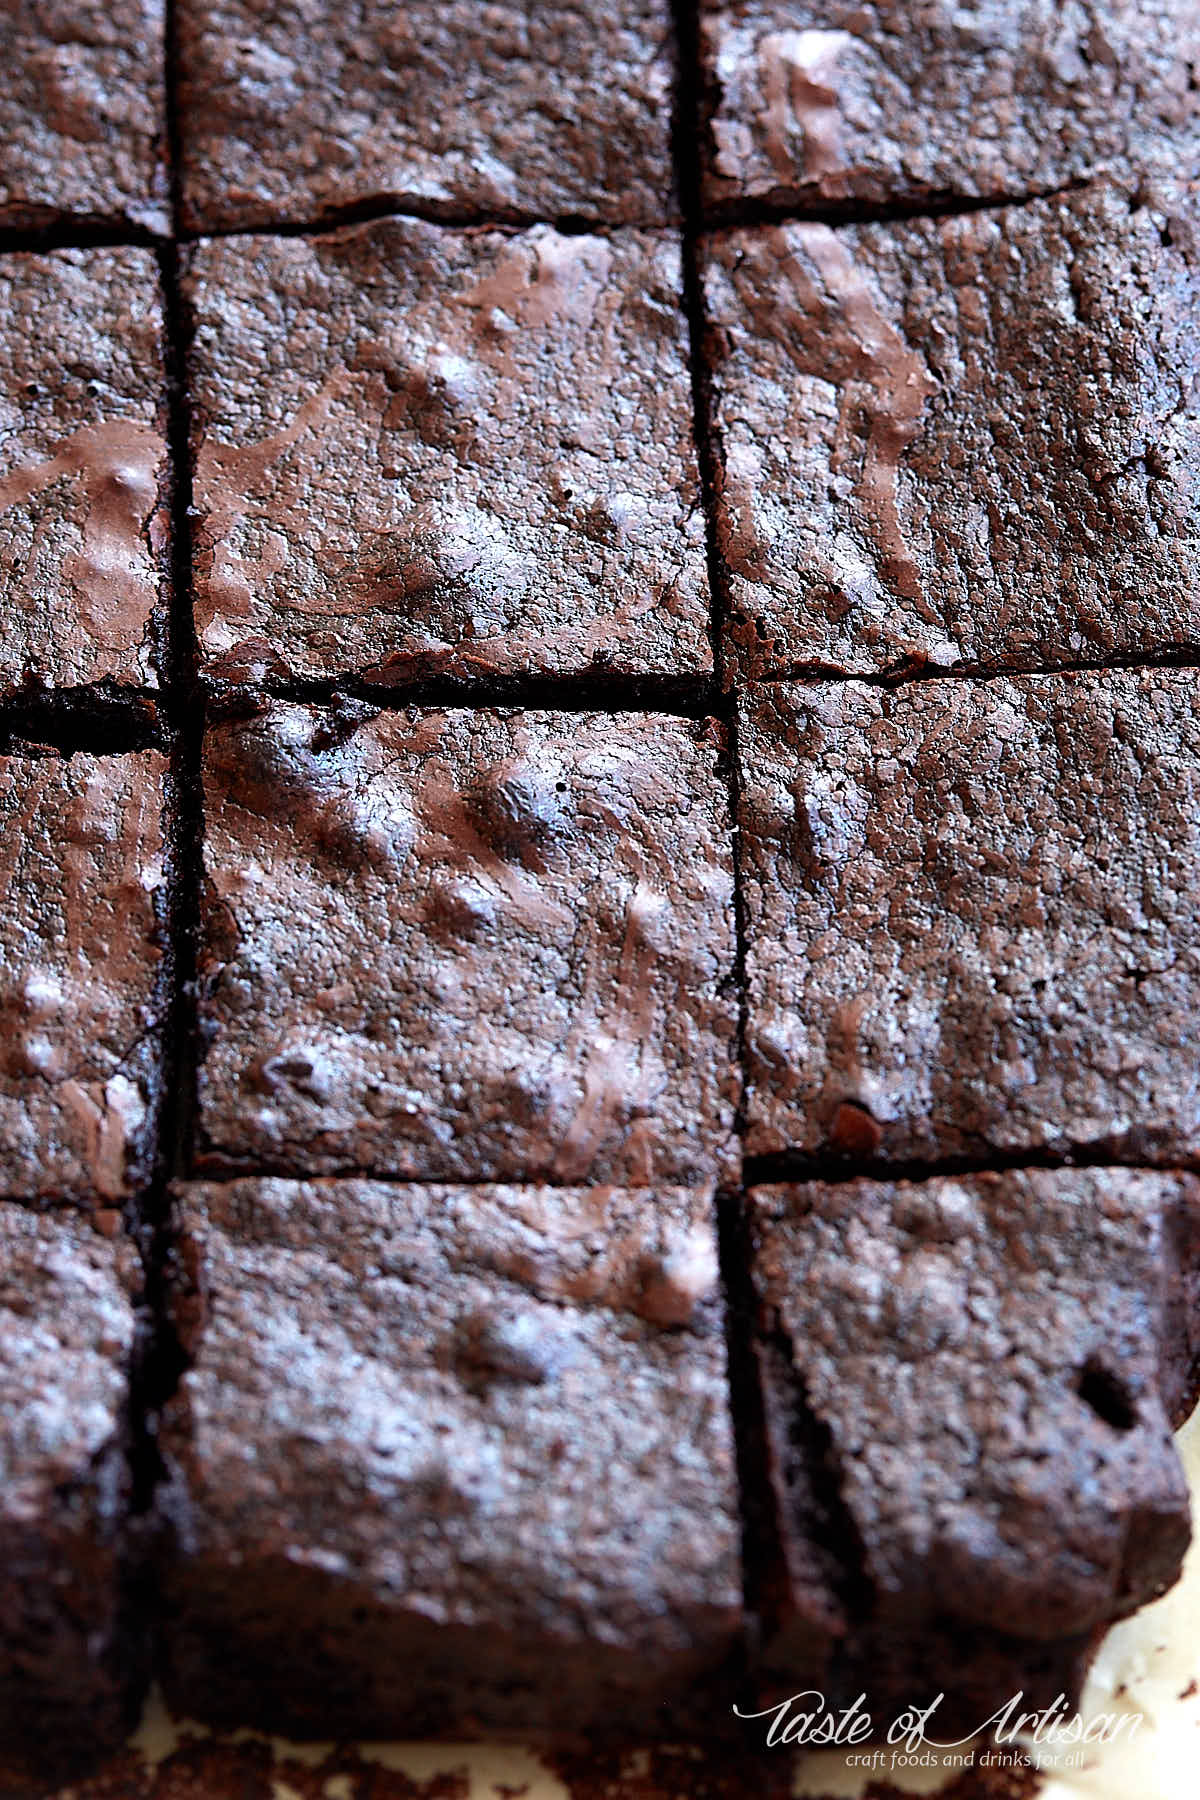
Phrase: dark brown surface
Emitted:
{"points": [[467, 944], [969, 913], [964, 1412], [81, 890], [450, 1460], [83, 468], [458, 109], [82, 114], [967, 440], [818, 105], [66, 1338], [423, 451]]}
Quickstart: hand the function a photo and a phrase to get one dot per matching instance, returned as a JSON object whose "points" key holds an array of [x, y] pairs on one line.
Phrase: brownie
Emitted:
{"points": [[968, 1464], [480, 945], [83, 469], [82, 115], [81, 973], [964, 441], [456, 109], [970, 918], [819, 106], [448, 1460], [431, 452], [66, 1339]]}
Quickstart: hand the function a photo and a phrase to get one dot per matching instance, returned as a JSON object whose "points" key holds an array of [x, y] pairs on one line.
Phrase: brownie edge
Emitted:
{"points": [[450, 1461]]}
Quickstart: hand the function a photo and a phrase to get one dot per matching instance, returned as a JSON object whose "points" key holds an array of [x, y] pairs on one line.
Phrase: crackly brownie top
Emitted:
{"points": [[984, 1353], [81, 882], [428, 451], [66, 1336], [542, 1371], [969, 912], [82, 464], [916, 103], [959, 440], [474, 944], [507, 109], [82, 114]]}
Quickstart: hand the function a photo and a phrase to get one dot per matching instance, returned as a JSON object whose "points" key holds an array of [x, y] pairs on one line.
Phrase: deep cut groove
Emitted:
{"points": [[909, 673], [788, 1166], [74, 234], [1102, 1389], [102, 720], [679, 696], [734, 215]]}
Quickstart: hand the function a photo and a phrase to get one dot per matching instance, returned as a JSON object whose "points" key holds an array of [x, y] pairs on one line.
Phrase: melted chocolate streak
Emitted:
{"points": [[103, 719]]}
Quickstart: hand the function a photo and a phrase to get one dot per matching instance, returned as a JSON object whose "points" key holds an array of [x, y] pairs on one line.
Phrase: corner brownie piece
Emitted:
{"points": [[82, 115], [83, 468], [959, 441], [425, 452], [466, 945], [440, 105], [81, 973], [916, 103], [447, 1460], [970, 921], [66, 1339], [967, 1461]]}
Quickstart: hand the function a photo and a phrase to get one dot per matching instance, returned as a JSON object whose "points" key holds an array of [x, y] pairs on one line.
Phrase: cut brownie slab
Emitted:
{"points": [[467, 944], [81, 973], [83, 468], [447, 1459], [82, 114], [66, 1339], [968, 1461], [970, 440], [969, 916], [461, 109], [913, 103], [423, 451]]}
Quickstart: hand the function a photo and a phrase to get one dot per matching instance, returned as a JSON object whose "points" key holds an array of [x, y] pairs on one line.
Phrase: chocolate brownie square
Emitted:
{"points": [[82, 115], [959, 441], [472, 945], [455, 109], [914, 104], [425, 452], [968, 1465], [81, 973], [66, 1339], [83, 468], [970, 919], [447, 1460]]}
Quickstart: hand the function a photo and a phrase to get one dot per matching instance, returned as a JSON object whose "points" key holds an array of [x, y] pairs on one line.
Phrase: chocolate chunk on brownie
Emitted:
{"points": [[427, 452], [66, 1339], [81, 973], [967, 440], [466, 945], [969, 916], [82, 114], [449, 1459], [964, 1433], [820, 105], [83, 468], [451, 108]]}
